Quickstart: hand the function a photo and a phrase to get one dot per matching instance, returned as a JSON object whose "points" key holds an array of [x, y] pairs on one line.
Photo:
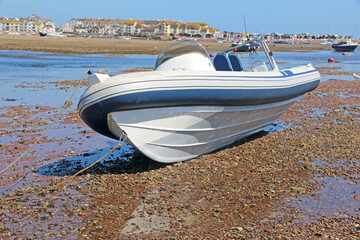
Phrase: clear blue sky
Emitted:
{"points": [[262, 16]]}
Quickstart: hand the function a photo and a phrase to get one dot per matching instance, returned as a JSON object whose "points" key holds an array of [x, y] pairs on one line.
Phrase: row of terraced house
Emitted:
{"points": [[146, 28], [31, 24]]}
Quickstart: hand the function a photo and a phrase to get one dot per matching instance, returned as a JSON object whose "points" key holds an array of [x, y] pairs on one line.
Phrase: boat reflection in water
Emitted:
{"points": [[190, 105]]}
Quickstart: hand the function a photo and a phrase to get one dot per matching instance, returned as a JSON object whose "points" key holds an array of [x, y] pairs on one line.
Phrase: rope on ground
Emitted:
{"points": [[122, 140], [48, 128]]}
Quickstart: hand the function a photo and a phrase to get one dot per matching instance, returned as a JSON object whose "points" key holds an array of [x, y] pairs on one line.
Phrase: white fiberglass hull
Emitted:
{"points": [[172, 116], [190, 105], [176, 134]]}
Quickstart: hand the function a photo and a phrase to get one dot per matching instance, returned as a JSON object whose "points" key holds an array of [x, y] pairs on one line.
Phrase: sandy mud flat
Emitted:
{"points": [[300, 180], [78, 45]]}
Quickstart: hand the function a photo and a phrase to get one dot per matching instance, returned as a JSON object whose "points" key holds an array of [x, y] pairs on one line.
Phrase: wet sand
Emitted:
{"points": [[252, 189], [332, 71], [299, 181], [78, 45]]}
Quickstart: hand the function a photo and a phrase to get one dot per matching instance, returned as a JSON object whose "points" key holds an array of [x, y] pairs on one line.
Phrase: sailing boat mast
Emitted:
{"points": [[246, 33]]}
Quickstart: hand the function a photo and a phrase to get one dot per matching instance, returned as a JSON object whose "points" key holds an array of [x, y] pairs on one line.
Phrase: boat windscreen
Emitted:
{"points": [[178, 49]]}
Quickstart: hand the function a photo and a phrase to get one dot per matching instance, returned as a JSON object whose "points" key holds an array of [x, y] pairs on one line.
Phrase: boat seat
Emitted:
{"points": [[222, 62], [236, 62]]}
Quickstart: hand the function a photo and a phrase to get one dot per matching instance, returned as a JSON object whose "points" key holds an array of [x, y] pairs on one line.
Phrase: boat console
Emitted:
{"points": [[184, 56], [228, 62]]}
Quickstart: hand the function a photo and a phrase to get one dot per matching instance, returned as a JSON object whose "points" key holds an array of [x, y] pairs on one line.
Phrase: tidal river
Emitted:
{"points": [[303, 173]]}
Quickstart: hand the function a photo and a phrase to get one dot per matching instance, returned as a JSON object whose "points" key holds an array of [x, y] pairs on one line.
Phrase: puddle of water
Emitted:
{"points": [[345, 95], [69, 166], [321, 162], [325, 78], [336, 199], [317, 112], [278, 127]]}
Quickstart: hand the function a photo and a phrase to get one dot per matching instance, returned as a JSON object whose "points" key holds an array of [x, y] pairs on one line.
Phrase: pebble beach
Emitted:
{"points": [[298, 180]]}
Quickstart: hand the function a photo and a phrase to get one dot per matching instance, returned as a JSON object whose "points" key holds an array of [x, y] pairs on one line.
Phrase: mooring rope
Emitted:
{"points": [[122, 140], [48, 128]]}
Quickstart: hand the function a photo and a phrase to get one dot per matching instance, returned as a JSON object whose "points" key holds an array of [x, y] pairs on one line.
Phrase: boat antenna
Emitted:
{"points": [[246, 33]]}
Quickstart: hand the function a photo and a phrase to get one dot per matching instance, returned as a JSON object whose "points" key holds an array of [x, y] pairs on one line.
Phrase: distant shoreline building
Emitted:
{"points": [[139, 28], [151, 29], [31, 24]]}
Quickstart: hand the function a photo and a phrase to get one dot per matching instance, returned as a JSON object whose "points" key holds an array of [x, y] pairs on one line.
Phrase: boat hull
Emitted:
{"points": [[173, 116], [180, 133], [252, 47], [345, 48]]}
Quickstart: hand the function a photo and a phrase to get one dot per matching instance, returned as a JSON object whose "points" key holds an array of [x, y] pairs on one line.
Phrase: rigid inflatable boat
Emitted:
{"points": [[190, 105]]}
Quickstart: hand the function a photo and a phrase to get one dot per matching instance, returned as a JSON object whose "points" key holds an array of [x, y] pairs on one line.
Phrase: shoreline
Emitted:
{"points": [[78, 45]]}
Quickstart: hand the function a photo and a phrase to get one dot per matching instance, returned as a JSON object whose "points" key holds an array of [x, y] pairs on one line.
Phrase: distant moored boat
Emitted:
{"points": [[344, 46], [248, 47]]}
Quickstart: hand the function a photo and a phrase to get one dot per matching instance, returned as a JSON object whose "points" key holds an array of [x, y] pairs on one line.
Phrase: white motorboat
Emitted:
{"points": [[344, 46], [190, 105]]}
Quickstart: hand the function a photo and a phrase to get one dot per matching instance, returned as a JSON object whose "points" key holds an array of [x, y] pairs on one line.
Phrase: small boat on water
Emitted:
{"points": [[190, 105], [248, 47], [347, 46]]}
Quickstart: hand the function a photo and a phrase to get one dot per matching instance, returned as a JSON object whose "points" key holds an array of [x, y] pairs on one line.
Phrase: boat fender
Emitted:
{"points": [[97, 78]]}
